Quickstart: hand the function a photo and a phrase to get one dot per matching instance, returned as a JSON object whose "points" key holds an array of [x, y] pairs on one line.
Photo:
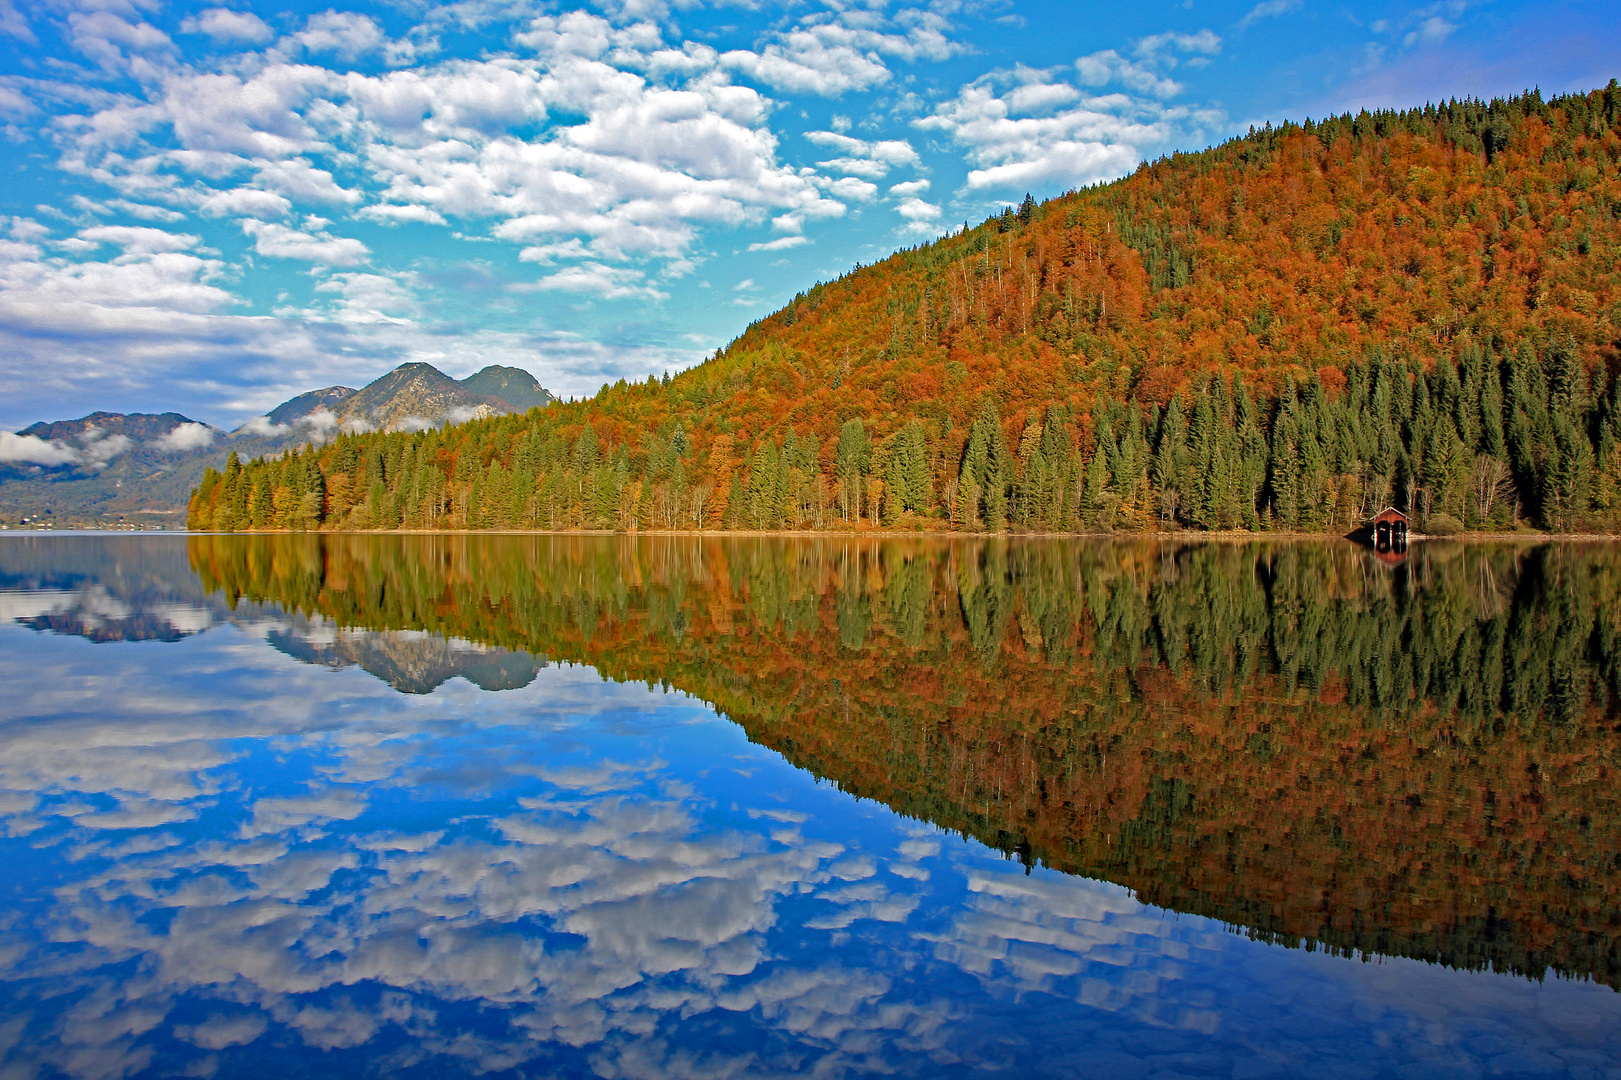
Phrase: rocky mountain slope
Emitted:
{"points": [[414, 397]]}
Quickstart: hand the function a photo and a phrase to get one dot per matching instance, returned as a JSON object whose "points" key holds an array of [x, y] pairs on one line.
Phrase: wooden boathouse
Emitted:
{"points": [[1389, 528]]}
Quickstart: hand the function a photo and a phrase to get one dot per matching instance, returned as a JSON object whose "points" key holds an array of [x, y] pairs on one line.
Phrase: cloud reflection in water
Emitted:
{"points": [[224, 858]]}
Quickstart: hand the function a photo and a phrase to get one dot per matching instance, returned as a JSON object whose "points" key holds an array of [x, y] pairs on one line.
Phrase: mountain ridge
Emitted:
{"points": [[110, 467]]}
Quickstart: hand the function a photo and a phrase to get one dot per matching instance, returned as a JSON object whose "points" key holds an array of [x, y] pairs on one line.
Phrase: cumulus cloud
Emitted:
{"points": [[115, 43], [1025, 128], [318, 426], [872, 160], [184, 438], [347, 36], [839, 52], [97, 448], [1108, 66], [642, 168], [227, 27], [317, 246], [32, 450], [138, 240], [599, 280], [245, 202], [94, 448], [1155, 56], [596, 145], [370, 298], [395, 214], [922, 217]]}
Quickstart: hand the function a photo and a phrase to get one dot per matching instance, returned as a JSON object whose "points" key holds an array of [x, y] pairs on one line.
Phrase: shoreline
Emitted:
{"points": [[1179, 536]]}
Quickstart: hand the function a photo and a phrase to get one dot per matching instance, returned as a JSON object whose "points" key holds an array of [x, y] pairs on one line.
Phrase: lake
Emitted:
{"points": [[519, 806]]}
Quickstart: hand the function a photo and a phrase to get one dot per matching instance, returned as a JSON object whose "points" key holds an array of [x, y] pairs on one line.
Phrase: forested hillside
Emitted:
{"points": [[1287, 737], [1289, 330]]}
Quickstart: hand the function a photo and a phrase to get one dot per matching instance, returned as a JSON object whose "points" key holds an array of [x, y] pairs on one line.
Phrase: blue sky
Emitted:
{"points": [[210, 209]]}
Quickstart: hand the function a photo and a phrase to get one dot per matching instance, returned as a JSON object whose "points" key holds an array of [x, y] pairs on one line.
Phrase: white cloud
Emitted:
{"points": [[281, 242], [599, 280], [1018, 137], [343, 34], [228, 27], [571, 248], [861, 158], [245, 202], [97, 448], [911, 187], [298, 179], [184, 438], [1156, 55], [1432, 31], [1269, 9], [836, 53], [138, 240], [117, 44], [806, 65], [782, 243], [27, 229], [641, 170], [321, 425], [14, 23], [393, 214], [917, 210], [32, 450], [1108, 66], [370, 298], [849, 188], [1158, 47]]}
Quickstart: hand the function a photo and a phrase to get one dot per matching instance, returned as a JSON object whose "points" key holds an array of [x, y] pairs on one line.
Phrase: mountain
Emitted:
{"points": [[139, 467], [331, 399], [414, 397], [515, 386], [137, 427], [1292, 329]]}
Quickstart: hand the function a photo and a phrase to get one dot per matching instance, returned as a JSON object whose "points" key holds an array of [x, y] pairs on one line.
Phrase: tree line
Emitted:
{"points": [[1481, 441]]}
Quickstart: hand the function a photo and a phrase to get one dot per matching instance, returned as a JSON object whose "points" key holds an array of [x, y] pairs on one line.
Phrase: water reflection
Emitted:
{"points": [[224, 855]]}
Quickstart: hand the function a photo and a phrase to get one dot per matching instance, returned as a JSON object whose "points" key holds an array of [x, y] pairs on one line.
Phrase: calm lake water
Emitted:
{"points": [[538, 806]]}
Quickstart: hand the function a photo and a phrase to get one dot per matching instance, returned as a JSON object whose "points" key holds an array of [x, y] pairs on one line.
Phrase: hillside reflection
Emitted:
{"points": [[1291, 738]]}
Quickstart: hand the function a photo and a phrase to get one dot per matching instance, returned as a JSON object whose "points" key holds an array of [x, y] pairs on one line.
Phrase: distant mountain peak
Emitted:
{"points": [[331, 398], [414, 396], [515, 386], [138, 427]]}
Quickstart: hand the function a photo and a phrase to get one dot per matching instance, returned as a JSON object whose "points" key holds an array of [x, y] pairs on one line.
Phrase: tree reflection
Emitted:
{"points": [[1292, 738]]}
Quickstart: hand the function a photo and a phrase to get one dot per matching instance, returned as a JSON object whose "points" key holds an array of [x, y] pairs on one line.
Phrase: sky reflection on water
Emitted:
{"points": [[224, 859]]}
